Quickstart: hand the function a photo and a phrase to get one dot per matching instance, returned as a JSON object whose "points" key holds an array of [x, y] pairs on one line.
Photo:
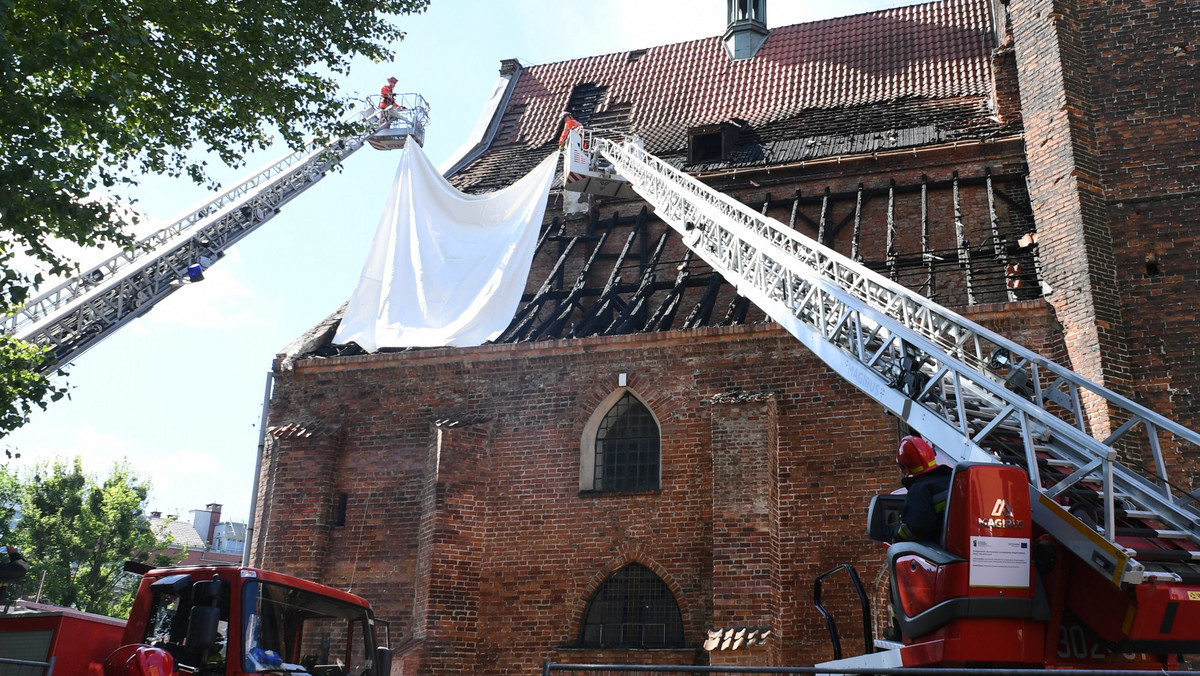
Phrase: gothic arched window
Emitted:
{"points": [[633, 608], [627, 448]]}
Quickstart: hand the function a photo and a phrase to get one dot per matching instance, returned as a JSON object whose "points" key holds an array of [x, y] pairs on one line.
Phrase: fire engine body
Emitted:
{"points": [[997, 591], [230, 621], [77, 642]]}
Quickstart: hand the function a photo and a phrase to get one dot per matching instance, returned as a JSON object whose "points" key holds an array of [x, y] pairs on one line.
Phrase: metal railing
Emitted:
{"points": [[46, 668], [78, 313], [863, 602], [549, 668], [955, 381]]}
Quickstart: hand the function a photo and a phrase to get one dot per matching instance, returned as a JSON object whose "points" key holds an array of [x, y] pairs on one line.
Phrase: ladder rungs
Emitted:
{"points": [[1152, 533], [962, 392], [1165, 555]]}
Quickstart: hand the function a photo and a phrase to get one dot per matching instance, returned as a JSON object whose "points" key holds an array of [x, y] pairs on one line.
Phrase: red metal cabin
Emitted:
{"points": [[209, 620], [74, 641], [996, 592]]}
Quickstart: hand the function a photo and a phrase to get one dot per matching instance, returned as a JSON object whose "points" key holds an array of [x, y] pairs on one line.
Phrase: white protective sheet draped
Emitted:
{"points": [[445, 268]]}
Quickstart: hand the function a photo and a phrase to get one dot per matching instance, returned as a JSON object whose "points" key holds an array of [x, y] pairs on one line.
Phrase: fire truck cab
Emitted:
{"points": [[236, 620]]}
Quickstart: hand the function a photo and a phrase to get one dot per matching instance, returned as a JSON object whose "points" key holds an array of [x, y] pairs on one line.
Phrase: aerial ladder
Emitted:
{"points": [[78, 313], [978, 397]]}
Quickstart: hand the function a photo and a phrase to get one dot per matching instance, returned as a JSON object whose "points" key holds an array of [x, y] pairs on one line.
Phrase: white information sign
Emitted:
{"points": [[999, 562]]}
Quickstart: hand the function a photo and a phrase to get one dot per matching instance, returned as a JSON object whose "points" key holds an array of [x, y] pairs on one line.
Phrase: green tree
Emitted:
{"points": [[79, 532], [98, 92]]}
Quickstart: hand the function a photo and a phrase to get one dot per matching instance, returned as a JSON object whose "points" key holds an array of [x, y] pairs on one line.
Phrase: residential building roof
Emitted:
{"points": [[182, 533]]}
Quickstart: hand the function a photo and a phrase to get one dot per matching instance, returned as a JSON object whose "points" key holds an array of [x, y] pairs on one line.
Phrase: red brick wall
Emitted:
{"points": [[1065, 180], [467, 530], [745, 540], [1110, 103], [297, 487], [1145, 56]]}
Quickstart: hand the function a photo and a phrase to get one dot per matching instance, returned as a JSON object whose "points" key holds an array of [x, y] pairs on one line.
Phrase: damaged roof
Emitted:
{"points": [[896, 78]]}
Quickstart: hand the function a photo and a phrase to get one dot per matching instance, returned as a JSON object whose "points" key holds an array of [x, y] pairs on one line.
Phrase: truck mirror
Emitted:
{"points": [[383, 661], [884, 513], [206, 592], [202, 627]]}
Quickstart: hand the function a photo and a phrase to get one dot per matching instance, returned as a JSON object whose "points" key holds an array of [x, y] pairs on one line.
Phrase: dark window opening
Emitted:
{"points": [[711, 143], [746, 10], [705, 148], [633, 608], [627, 448], [339, 510]]}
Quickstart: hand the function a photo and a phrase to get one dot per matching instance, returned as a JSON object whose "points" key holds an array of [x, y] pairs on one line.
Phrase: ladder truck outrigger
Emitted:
{"points": [[1054, 554], [78, 313]]}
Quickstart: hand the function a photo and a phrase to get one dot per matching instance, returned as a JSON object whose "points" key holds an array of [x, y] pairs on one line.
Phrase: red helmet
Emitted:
{"points": [[392, 80], [916, 455]]}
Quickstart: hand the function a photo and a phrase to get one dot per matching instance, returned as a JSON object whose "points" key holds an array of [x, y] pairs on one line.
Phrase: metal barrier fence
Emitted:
{"points": [[11, 667], [664, 670]]}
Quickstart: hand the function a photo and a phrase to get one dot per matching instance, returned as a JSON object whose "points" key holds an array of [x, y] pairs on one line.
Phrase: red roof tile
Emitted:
{"points": [[929, 51]]}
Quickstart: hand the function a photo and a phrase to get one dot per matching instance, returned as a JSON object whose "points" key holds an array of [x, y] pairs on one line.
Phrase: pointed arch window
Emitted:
{"points": [[627, 448], [633, 608]]}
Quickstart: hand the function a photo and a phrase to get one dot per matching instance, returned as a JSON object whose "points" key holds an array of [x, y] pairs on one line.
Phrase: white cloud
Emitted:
{"points": [[197, 478], [98, 450]]}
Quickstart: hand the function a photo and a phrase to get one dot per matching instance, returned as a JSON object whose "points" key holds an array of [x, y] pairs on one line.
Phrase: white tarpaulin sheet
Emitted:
{"points": [[445, 268]]}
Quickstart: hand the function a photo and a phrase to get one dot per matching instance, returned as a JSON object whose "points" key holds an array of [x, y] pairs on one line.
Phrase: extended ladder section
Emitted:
{"points": [[78, 313], [975, 395]]}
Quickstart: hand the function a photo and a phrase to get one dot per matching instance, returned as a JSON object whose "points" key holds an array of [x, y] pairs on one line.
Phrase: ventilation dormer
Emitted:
{"points": [[712, 142], [747, 28]]}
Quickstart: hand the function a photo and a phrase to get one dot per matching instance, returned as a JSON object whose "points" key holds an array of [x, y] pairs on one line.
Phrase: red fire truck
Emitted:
{"points": [[998, 591], [207, 621]]}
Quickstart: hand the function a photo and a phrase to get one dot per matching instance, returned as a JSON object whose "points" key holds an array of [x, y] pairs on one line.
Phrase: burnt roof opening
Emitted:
{"points": [[585, 99], [711, 143]]}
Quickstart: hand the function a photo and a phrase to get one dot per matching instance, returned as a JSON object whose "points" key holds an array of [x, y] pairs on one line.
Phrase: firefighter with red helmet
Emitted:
{"points": [[928, 485], [387, 94]]}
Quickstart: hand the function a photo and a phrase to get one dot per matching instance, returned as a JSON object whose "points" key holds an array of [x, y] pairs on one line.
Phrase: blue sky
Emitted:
{"points": [[178, 393]]}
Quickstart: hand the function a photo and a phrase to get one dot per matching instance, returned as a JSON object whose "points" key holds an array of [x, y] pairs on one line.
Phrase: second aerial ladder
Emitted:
{"points": [[977, 396]]}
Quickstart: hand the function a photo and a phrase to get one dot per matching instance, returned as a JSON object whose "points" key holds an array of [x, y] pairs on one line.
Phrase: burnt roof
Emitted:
{"points": [[896, 78]]}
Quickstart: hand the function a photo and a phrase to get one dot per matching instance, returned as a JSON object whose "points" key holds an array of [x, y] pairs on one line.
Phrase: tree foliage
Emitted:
{"points": [[21, 386], [78, 532], [98, 92]]}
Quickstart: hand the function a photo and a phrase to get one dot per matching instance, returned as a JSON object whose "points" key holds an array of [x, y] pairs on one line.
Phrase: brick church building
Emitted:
{"points": [[642, 468]]}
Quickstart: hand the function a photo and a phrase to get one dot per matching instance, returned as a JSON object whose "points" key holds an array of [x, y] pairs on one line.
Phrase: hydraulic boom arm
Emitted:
{"points": [[976, 395], [78, 313]]}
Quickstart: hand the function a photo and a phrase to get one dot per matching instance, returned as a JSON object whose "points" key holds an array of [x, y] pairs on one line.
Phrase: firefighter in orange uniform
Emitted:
{"points": [[387, 94], [569, 123]]}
